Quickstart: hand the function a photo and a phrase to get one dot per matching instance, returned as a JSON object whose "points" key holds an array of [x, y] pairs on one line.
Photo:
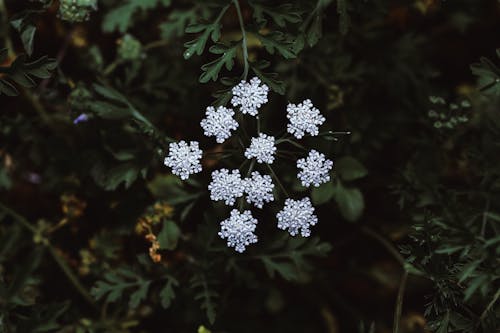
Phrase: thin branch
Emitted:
{"points": [[244, 39], [278, 181], [399, 302]]}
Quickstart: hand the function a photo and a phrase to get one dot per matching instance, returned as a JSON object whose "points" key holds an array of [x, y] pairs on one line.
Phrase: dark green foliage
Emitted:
{"points": [[23, 72], [97, 236]]}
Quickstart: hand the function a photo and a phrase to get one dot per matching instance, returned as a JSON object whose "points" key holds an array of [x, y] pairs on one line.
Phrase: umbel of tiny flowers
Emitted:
{"points": [[227, 186], [184, 159], [297, 215], [250, 96], [219, 123], [262, 148], [304, 118], [259, 189], [238, 230], [315, 169]]}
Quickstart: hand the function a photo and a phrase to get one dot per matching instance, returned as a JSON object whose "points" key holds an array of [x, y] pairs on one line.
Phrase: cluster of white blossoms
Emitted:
{"points": [[184, 159], [304, 118], [219, 123], [259, 189], [297, 216], [315, 169], [250, 96], [262, 148], [226, 186], [238, 230]]}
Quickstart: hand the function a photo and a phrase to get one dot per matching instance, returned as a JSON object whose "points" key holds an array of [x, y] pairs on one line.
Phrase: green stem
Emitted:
{"points": [[62, 264], [490, 305], [399, 302], [278, 181], [386, 244], [111, 67], [71, 276], [18, 217], [5, 30], [244, 39]]}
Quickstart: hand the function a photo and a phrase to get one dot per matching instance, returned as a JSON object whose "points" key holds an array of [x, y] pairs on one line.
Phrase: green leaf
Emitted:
{"points": [[23, 73], [205, 295], [315, 30], [25, 27], [350, 202], [271, 80], [488, 76], [279, 14], [212, 69], [197, 45], [285, 269], [350, 169], [170, 189], [109, 178], [474, 285], [121, 18], [115, 284], [468, 270], [169, 235], [167, 293], [279, 42], [176, 23], [323, 194]]}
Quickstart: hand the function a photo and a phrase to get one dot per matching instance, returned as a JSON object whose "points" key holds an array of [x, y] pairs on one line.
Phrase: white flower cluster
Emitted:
{"points": [[219, 123], [226, 186], [315, 169], [238, 230], [262, 148], [297, 216], [259, 189], [184, 159], [250, 96], [304, 118]]}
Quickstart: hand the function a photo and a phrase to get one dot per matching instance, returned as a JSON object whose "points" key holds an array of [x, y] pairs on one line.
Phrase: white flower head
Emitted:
{"points": [[250, 96], [262, 148], [315, 169], [259, 189], [304, 118], [238, 230], [226, 186], [219, 123], [297, 215], [184, 159]]}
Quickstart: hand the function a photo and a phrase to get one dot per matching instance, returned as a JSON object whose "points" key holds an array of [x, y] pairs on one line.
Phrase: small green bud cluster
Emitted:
{"points": [[448, 116], [130, 48], [76, 10]]}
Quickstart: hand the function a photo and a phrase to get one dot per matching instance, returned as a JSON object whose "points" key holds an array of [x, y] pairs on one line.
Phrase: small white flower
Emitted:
{"points": [[315, 169], [259, 189], [297, 215], [303, 117], [238, 230], [184, 159], [262, 148], [250, 96], [226, 186], [219, 123]]}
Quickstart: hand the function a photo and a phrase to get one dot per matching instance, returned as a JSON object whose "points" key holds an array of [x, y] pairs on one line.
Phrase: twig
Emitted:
{"points": [[278, 181], [490, 305], [399, 302], [244, 39], [62, 264], [386, 244], [5, 30]]}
